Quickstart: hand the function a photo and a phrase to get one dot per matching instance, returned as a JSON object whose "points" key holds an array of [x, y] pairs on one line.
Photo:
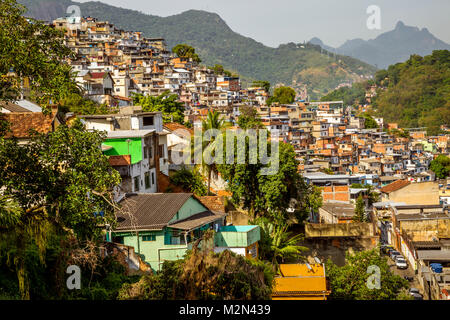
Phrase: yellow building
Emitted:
{"points": [[301, 282]]}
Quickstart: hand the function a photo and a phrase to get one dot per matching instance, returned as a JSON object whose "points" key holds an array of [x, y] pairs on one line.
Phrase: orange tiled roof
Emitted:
{"points": [[172, 126], [394, 186], [124, 160], [22, 122], [213, 203]]}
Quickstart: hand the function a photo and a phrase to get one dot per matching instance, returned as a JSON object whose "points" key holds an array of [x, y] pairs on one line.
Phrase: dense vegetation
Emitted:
{"points": [[415, 93], [349, 282], [216, 43], [172, 109], [189, 180], [352, 96], [441, 166]]}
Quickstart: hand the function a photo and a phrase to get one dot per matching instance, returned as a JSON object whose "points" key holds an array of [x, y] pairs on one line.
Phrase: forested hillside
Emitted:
{"points": [[415, 93]]}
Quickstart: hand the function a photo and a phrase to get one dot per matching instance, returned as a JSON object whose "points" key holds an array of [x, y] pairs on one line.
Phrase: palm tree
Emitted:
{"points": [[212, 121], [277, 243]]}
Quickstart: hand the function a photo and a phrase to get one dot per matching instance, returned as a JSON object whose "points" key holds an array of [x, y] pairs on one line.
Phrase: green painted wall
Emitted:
{"points": [[189, 208], [237, 238], [120, 148]]}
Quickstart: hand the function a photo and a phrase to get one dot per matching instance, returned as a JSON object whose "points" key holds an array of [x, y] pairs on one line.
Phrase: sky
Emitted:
{"points": [[274, 22]]}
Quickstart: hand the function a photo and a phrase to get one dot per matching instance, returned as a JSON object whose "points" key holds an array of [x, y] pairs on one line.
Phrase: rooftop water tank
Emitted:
{"points": [[436, 267]]}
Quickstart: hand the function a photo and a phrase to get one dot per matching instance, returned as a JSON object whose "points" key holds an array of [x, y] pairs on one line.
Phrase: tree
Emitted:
{"points": [[75, 103], [189, 180], [349, 282], [369, 122], [265, 195], [360, 210], [32, 55], [186, 51], [249, 118], [262, 84], [277, 244], [59, 181], [212, 122], [283, 95], [172, 109], [441, 166], [219, 70]]}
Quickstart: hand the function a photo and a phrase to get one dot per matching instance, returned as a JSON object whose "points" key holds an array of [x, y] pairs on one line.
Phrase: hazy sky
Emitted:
{"points": [[273, 22]]}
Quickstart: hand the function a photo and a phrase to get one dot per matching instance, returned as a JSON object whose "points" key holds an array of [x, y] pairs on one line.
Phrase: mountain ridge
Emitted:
{"points": [[390, 47]]}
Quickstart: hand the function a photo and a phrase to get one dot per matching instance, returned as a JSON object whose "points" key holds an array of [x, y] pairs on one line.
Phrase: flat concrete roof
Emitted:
{"points": [[128, 134], [440, 255]]}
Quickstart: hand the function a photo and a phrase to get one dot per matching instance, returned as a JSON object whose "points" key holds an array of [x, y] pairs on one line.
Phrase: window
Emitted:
{"points": [[136, 184], [149, 238], [146, 152], [161, 151], [153, 178], [147, 180], [148, 121]]}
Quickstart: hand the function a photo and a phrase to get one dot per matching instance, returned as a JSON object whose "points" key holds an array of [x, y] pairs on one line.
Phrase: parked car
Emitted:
{"points": [[386, 248], [401, 263], [415, 294], [394, 253]]}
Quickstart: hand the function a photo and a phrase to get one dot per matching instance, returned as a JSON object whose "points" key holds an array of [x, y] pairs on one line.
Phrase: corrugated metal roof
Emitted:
{"points": [[150, 211], [197, 220]]}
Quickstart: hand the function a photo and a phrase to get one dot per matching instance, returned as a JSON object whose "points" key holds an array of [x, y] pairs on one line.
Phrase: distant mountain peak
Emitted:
{"points": [[316, 41], [400, 25]]}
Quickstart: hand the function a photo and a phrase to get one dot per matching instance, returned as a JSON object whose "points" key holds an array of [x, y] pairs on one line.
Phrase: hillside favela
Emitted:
{"points": [[150, 156]]}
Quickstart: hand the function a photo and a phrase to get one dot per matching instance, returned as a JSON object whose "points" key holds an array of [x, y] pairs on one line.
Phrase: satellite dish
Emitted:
{"points": [[308, 266], [317, 260]]}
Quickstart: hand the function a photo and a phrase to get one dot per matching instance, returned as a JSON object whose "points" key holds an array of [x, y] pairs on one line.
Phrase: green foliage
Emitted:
{"points": [[55, 183], [167, 103], [208, 148], [47, 277], [277, 244], [352, 96], [185, 51], [283, 95], [369, 122], [204, 275], [190, 180], [219, 70], [32, 53], [360, 211], [441, 166], [266, 195], [350, 281], [262, 84], [249, 118], [417, 92], [63, 173], [77, 104]]}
